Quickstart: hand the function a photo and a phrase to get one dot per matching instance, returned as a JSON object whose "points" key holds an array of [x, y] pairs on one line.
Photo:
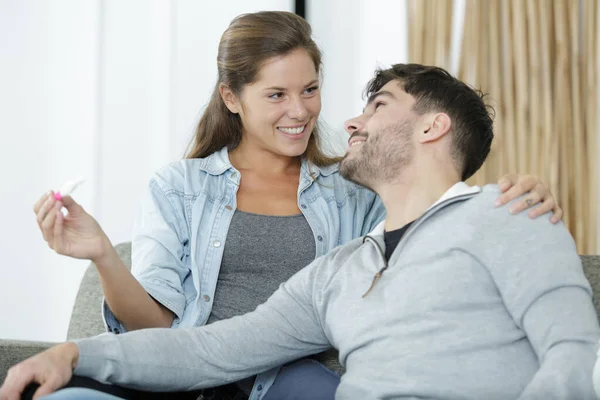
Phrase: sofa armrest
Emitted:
{"points": [[14, 351]]}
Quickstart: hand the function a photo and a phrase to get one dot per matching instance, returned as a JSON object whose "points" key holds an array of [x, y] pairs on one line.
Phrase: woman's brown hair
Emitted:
{"points": [[250, 40]]}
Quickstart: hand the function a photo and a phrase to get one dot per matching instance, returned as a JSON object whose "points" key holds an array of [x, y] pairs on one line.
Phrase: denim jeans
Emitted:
{"points": [[304, 379], [80, 394]]}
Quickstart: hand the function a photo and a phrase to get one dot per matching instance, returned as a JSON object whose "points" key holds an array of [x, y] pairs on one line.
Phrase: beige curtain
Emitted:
{"points": [[537, 59]]}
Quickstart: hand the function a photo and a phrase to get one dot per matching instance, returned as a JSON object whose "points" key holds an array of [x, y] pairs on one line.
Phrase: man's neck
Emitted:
{"points": [[409, 198]]}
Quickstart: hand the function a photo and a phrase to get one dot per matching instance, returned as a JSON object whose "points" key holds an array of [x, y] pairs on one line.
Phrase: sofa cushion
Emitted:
{"points": [[591, 267], [86, 319]]}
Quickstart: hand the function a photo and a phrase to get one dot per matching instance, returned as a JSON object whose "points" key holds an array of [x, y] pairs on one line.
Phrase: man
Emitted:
{"points": [[448, 298]]}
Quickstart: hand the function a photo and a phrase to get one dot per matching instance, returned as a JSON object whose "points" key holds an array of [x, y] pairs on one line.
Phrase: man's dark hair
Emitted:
{"points": [[435, 90]]}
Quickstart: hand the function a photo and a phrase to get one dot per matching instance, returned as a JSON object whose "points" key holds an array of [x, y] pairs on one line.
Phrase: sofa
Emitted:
{"points": [[86, 319]]}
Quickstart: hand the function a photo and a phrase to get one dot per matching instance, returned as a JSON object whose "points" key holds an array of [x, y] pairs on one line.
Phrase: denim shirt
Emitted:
{"points": [[180, 233]]}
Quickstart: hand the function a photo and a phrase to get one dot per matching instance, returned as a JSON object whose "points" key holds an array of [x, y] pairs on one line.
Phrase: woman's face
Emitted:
{"points": [[280, 109]]}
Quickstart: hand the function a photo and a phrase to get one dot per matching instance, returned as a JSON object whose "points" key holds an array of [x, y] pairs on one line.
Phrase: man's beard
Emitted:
{"points": [[381, 158]]}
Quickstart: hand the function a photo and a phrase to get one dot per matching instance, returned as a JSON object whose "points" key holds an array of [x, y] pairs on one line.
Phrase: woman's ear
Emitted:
{"points": [[439, 125], [229, 98]]}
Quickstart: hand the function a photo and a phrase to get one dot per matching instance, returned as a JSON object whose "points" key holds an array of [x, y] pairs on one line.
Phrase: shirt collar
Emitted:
{"points": [[458, 189], [218, 162], [314, 171]]}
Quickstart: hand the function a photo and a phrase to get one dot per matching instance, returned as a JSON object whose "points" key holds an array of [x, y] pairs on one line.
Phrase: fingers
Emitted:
{"points": [[543, 191], [515, 191], [74, 209], [41, 201], [534, 195], [47, 209], [46, 203], [526, 202], [49, 221], [507, 181], [557, 216], [69, 202], [546, 206], [520, 185], [52, 369], [17, 379], [50, 386], [58, 243]]}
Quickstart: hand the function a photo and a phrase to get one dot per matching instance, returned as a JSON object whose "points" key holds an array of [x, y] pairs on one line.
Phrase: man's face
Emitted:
{"points": [[381, 138]]}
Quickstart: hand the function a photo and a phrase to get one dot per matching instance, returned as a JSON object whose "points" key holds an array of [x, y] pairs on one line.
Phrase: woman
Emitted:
{"points": [[254, 201]]}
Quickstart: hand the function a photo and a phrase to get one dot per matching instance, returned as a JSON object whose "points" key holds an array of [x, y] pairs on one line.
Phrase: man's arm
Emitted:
{"points": [[561, 326], [538, 272], [539, 275], [286, 327]]}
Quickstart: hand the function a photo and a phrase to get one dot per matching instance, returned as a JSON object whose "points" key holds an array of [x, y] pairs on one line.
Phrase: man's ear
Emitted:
{"points": [[436, 127], [229, 98]]}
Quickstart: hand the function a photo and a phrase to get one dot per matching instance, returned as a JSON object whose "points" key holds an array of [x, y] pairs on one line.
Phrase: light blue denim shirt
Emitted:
{"points": [[180, 233]]}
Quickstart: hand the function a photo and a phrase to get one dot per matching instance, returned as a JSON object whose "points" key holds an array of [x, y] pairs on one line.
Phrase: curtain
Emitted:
{"points": [[537, 60]]}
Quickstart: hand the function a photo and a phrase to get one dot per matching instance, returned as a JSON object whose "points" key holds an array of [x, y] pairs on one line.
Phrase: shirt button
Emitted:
{"points": [[320, 238], [228, 207], [259, 388], [206, 298], [217, 243], [303, 206]]}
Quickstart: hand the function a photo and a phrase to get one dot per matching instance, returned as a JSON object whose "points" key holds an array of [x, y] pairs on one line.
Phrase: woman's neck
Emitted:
{"points": [[246, 157]]}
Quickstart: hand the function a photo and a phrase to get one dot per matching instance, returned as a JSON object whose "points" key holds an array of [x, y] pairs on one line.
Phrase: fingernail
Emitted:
{"points": [[554, 220], [498, 203], [512, 210]]}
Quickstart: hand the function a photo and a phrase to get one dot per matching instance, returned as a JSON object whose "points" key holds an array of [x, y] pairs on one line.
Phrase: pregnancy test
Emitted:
{"points": [[67, 188]]}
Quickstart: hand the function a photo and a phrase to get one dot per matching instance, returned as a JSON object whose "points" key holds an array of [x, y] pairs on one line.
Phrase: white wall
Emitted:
{"points": [[355, 37], [48, 128], [108, 89]]}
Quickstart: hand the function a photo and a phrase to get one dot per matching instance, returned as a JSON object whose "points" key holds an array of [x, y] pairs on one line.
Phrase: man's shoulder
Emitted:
{"points": [[497, 227], [481, 207], [486, 197]]}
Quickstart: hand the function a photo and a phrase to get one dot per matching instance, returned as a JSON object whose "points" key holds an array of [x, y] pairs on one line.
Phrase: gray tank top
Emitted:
{"points": [[261, 252]]}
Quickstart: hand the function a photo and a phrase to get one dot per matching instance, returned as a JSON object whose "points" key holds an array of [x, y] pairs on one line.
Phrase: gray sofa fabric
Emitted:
{"points": [[86, 319], [14, 351]]}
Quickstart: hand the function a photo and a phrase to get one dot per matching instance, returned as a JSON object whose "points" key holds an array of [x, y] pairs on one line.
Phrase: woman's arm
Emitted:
{"points": [[127, 298], [78, 235]]}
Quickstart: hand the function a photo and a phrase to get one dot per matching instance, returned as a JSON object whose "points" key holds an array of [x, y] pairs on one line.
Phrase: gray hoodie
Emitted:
{"points": [[475, 304]]}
